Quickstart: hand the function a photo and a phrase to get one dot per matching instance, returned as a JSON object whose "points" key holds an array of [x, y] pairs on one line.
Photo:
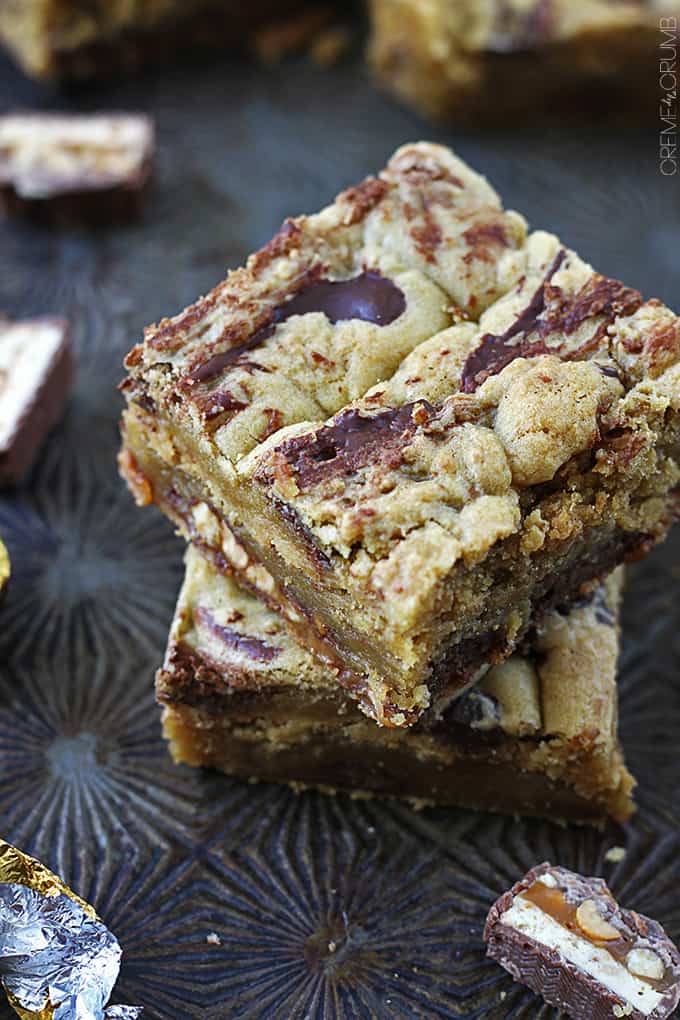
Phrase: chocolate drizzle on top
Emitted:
{"points": [[351, 442], [495, 351], [370, 297], [253, 647]]}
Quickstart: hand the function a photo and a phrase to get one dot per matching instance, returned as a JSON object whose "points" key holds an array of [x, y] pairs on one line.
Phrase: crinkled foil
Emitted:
{"points": [[57, 960]]}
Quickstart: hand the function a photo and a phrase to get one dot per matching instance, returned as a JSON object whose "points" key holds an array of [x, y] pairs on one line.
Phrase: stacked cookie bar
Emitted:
{"points": [[495, 60], [57, 39], [408, 443]]}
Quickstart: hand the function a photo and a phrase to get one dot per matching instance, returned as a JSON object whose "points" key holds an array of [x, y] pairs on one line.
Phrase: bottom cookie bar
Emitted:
{"points": [[567, 938], [537, 736]]}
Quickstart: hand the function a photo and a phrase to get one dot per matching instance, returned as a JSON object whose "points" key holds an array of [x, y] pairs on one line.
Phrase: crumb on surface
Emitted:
{"points": [[213, 939], [615, 854]]}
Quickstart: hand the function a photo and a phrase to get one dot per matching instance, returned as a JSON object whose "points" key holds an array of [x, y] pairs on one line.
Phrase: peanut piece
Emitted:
{"points": [[645, 963], [593, 924]]}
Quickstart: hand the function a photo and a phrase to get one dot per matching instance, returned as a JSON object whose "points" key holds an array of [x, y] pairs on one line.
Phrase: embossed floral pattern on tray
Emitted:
{"points": [[315, 907]]}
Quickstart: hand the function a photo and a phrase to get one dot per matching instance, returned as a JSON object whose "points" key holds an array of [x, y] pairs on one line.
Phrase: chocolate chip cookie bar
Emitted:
{"points": [[76, 38], [470, 61], [412, 428], [36, 372], [537, 736], [566, 937], [75, 168]]}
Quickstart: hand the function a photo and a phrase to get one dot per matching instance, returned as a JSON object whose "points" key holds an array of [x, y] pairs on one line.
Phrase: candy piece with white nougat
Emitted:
{"points": [[64, 168], [567, 938], [36, 372]]}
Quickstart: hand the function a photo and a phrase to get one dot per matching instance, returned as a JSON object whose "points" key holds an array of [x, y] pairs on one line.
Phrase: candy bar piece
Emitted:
{"points": [[75, 168], [36, 372], [566, 937], [72, 39], [5, 569], [469, 61], [537, 736], [428, 428], [56, 956]]}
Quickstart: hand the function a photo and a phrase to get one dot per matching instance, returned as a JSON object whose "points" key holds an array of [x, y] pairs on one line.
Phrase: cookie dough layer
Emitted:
{"points": [[492, 59], [82, 38], [537, 736], [524, 442]]}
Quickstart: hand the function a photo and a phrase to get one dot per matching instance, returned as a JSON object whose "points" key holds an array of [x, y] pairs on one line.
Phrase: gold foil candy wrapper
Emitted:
{"points": [[58, 961], [4, 567], [20, 869]]}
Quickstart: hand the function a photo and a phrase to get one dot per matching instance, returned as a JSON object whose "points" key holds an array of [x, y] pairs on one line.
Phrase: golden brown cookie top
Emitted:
{"points": [[431, 466], [334, 302]]}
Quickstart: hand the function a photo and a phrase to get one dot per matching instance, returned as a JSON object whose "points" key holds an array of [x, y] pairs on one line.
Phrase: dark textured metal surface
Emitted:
{"points": [[168, 855]]}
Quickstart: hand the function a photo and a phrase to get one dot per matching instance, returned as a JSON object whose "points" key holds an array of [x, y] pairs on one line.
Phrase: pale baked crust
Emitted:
{"points": [[237, 687]]}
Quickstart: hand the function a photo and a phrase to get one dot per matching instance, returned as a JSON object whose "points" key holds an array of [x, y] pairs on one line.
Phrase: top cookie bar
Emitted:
{"points": [[525, 440]]}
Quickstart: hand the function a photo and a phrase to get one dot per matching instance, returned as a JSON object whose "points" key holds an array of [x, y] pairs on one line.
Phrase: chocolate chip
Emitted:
{"points": [[350, 443], [370, 297], [221, 403], [549, 313], [476, 709], [495, 351]]}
